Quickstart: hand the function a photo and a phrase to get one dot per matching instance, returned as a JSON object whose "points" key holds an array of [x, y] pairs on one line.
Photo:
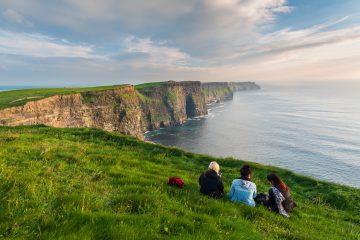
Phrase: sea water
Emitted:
{"points": [[314, 131]]}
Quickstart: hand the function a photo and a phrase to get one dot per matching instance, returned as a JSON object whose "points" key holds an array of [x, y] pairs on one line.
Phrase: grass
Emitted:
{"points": [[149, 85], [20, 97], [89, 184]]}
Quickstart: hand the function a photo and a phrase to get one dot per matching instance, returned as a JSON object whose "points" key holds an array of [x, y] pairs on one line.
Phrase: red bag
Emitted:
{"points": [[176, 182]]}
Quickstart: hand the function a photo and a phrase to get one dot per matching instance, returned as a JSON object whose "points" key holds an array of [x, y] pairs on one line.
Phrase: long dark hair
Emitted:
{"points": [[278, 183], [245, 172]]}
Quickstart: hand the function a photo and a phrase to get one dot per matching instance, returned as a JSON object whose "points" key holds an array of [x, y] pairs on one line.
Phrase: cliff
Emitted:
{"points": [[171, 104], [220, 91], [125, 109], [116, 110]]}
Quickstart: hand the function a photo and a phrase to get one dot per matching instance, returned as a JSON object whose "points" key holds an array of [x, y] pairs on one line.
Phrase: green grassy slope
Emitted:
{"points": [[20, 97], [148, 85], [89, 184]]}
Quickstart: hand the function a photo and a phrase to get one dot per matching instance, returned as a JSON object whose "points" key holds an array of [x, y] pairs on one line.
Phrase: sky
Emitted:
{"points": [[89, 42]]}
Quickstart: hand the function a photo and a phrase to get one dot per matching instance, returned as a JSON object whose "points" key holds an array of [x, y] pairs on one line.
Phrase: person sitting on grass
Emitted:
{"points": [[210, 181], [280, 199], [242, 189]]}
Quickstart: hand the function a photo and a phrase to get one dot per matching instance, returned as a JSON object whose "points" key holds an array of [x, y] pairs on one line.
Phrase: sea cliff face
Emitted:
{"points": [[171, 104], [115, 110], [221, 91], [124, 110]]}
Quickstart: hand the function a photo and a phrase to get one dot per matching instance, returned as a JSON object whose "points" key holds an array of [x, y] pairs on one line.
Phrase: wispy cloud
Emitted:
{"points": [[37, 45], [13, 16], [154, 52], [259, 11], [288, 40]]}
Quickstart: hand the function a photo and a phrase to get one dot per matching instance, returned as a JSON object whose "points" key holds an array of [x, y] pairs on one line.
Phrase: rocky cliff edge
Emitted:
{"points": [[125, 110]]}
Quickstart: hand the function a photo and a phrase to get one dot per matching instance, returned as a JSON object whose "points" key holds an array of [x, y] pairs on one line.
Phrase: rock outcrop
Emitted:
{"points": [[126, 109]]}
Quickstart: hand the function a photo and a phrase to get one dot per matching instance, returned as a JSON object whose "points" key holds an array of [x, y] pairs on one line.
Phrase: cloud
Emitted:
{"points": [[37, 45], [259, 11], [174, 39], [201, 28], [318, 52], [78, 14], [153, 52], [13, 16], [288, 40]]}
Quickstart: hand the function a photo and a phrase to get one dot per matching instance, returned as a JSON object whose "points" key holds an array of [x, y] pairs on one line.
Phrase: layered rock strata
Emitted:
{"points": [[125, 110]]}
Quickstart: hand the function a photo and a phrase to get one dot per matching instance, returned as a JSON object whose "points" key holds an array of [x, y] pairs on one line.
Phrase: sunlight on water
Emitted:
{"points": [[315, 132]]}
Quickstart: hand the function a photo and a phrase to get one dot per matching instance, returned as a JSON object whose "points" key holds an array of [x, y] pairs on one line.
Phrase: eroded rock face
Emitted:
{"points": [[216, 91], [115, 110], [124, 110], [172, 104]]}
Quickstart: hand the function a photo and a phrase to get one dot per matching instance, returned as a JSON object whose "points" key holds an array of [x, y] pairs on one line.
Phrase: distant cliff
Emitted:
{"points": [[129, 110], [220, 91]]}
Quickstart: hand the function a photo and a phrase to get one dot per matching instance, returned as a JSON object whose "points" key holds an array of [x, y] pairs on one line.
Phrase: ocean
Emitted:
{"points": [[9, 88], [5, 89], [314, 131]]}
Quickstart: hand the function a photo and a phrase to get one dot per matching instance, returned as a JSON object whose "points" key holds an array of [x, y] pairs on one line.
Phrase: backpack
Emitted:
{"points": [[176, 182]]}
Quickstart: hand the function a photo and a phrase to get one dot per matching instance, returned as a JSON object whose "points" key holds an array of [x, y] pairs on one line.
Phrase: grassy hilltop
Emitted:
{"points": [[16, 98], [89, 184]]}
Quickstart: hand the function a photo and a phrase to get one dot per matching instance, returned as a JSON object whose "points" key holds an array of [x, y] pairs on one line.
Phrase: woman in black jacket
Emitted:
{"points": [[210, 181]]}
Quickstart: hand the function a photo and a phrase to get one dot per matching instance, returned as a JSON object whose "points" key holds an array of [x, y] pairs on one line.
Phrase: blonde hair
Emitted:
{"points": [[214, 166]]}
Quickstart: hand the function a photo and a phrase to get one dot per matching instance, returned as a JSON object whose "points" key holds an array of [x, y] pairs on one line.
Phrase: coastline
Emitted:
{"points": [[154, 105], [290, 136]]}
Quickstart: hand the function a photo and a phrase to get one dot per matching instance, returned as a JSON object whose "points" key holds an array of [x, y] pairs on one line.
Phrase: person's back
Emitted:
{"points": [[210, 181], [242, 189], [280, 199], [288, 204]]}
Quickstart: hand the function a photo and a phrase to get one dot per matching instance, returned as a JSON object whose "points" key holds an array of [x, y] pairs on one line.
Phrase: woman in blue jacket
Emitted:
{"points": [[242, 189]]}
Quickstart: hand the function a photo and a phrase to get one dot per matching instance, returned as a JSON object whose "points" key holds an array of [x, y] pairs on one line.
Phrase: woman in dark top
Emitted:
{"points": [[280, 199], [210, 181]]}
